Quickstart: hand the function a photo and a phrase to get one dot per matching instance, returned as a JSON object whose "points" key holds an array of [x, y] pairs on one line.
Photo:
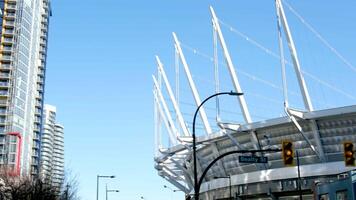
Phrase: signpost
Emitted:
{"points": [[253, 159]]}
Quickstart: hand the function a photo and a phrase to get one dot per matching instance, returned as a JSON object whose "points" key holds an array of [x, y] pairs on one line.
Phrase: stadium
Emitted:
{"points": [[317, 135]]}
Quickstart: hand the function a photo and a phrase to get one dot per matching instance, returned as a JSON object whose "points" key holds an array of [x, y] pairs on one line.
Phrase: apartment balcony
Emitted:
{"points": [[10, 16], [5, 66], [45, 6], [40, 79], [44, 21], [6, 58], [45, 13], [44, 28], [39, 88], [41, 73], [7, 49], [4, 84], [8, 32], [38, 104], [4, 93], [3, 102], [42, 49], [8, 41], [2, 113], [4, 75], [43, 42], [9, 24], [37, 121], [10, 7]]}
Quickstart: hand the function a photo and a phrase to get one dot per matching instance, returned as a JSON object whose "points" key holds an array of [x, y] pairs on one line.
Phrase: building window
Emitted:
{"points": [[324, 197], [12, 158], [12, 148], [341, 195]]}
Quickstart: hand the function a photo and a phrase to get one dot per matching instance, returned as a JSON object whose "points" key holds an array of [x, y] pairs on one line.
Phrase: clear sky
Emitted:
{"points": [[101, 58]]}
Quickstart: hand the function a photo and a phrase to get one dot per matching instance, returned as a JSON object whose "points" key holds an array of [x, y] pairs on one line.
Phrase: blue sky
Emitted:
{"points": [[101, 58]]}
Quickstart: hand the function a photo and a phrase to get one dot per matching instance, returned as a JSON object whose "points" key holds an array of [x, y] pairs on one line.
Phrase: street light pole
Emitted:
{"points": [[196, 185], [229, 177], [97, 184], [107, 191]]}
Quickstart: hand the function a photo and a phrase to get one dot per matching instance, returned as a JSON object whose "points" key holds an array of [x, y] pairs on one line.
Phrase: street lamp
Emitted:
{"points": [[196, 185], [106, 189], [97, 184], [229, 177]]}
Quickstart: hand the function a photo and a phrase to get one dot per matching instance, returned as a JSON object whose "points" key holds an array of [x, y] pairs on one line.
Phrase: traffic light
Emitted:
{"points": [[349, 154], [288, 153]]}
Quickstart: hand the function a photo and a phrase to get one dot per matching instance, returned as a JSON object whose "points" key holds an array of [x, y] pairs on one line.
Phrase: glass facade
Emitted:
{"points": [[23, 48]]}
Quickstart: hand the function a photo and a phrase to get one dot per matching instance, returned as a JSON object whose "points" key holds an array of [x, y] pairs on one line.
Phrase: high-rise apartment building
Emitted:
{"points": [[23, 47], [52, 148]]}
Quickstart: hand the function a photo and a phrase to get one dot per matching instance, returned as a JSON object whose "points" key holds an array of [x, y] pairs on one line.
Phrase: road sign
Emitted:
{"points": [[253, 159]]}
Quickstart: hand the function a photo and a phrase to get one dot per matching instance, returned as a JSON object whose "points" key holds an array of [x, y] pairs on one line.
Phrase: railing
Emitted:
{"points": [[9, 6], [7, 48], [10, 23], [4, 93], [10, 15], [4, 83], [6, 66], [8, 40], [3, 102], [4, 75], [5, 57], [9, 31]]}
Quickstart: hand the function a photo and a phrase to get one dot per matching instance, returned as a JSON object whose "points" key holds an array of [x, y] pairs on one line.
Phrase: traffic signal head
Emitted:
{"points": [[288, 153], [349, 154]]}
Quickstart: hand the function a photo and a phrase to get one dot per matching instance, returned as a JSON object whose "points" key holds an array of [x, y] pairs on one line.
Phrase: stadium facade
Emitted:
{"points": [[317, 136], [24, 36]]}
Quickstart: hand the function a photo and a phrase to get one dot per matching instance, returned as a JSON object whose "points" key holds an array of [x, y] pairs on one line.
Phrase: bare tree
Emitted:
{"points": [[29, 188], [70, 187]]}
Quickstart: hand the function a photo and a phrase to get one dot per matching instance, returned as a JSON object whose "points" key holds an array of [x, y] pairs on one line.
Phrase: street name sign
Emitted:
{"points": [[253, 159]]}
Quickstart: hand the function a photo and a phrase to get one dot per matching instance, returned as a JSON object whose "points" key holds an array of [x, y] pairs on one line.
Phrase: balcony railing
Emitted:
{"points": [[9, 31], [9, 23], [4, 92], [3, 102], [4, 75], [7, 48], [8, 40], [4, 84], [10, 6], [10, 15], [6, 66]]}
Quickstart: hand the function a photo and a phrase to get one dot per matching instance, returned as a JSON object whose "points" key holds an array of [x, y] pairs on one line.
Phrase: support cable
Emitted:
{"points": [[275, 55], [321, 38], [265, 82]]}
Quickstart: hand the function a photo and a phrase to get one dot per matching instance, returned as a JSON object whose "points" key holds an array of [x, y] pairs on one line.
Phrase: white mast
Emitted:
{"points": [[192, 85], [282, 19], [302, 85], [231, 68], [170, 123], [171, 96]]}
